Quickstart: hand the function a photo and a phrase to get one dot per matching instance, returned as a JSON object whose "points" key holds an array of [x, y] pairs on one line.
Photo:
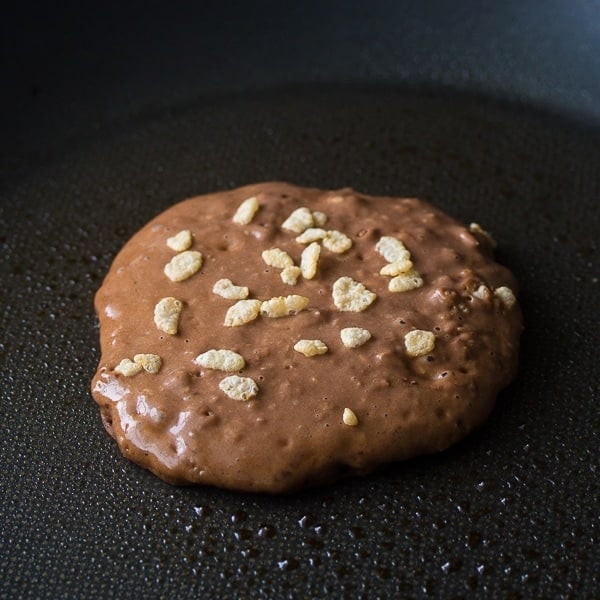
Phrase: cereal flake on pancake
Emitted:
{"points": [[274, 337]]}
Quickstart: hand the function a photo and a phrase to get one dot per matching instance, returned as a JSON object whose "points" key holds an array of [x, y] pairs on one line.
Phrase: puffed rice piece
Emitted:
{"points": [[310, 260], [239, 388], [128, 368], [337, 242], [352, 296], [352, 337], [482, 292], [242, 312], [506, 295], [166, 314], [312, 234], [311, 347], [283, 306], [149, 362], [275, 257], [392, 249], [396, 268], [419, 342], [477, 228], [349, 417], [410, 280], [226, 289], [180, 241], [290, 275], [221, 360], [320, 218], [246, 211], [300, 220], [183, 265]]}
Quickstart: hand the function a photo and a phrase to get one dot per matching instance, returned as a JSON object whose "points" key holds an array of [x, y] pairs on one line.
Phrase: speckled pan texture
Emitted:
{"points": [[510, 512]]}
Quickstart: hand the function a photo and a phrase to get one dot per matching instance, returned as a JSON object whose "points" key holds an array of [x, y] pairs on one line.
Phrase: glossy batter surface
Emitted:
{"points": [[297, 430]]}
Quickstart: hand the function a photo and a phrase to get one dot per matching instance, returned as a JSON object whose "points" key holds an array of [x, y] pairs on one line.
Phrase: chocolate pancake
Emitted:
{"points": [[274, 337]]}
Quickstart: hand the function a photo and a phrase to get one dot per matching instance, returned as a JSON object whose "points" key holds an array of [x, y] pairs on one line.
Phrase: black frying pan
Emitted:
{"points": [[510, 512]]}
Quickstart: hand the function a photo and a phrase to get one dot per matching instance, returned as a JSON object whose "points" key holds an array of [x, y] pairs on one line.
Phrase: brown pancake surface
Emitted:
{"points": [[312, 418]]}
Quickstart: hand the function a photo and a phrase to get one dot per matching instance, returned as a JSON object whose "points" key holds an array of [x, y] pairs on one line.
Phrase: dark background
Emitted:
{"points": [[110, 112], [69, 68]]}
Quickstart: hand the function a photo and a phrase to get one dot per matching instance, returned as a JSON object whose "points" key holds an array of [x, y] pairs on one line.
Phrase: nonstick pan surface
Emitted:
{"points": [[510, 512]]}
